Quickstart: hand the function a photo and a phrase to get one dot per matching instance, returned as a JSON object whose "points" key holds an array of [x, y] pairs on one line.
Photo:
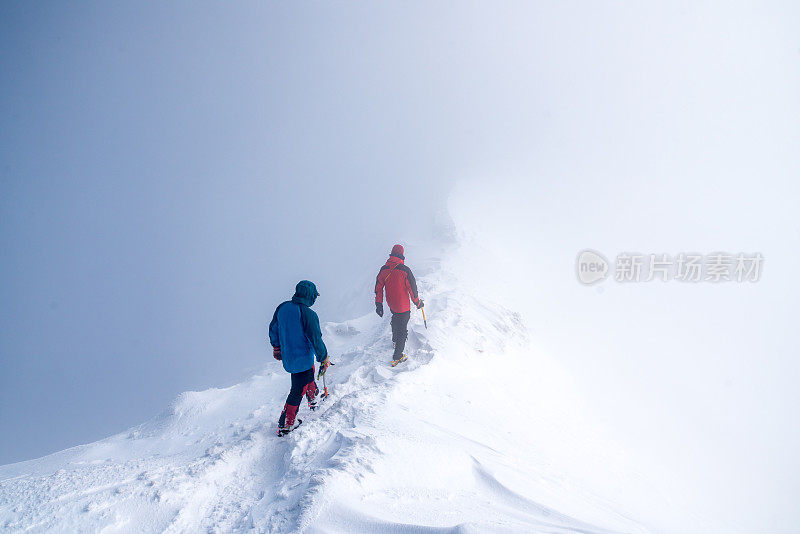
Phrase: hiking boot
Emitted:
{"points": [[394, 362], [285, 429]]}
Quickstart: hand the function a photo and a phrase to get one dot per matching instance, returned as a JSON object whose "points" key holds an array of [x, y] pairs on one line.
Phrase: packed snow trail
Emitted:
{"points": [[428, 446]]}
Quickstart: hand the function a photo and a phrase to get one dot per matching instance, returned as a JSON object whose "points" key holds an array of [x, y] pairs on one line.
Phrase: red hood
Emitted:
{"points": [[392, 261]]}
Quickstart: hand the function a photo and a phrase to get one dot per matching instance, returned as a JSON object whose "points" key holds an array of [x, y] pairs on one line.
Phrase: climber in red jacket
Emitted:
{"points": [[398, 281]]}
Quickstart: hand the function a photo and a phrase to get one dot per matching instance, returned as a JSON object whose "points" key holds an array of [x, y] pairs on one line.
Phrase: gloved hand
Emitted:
{"points": [[379, 308], [323, 366], [421, 304], [276, 353]]}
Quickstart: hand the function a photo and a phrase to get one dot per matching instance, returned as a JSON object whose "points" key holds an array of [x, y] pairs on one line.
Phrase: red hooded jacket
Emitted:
{"points": [[399, 282]]}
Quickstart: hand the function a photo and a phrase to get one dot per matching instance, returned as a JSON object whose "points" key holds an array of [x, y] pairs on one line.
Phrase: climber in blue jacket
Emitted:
{"points": [[296, 340]]}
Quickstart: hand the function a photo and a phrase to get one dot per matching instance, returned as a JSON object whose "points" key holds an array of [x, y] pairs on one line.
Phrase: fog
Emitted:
{"points": [[685, 145], [170, 172]]}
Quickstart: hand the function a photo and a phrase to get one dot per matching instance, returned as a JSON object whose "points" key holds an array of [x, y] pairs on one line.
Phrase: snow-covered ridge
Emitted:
{"points": [[422, 447]]}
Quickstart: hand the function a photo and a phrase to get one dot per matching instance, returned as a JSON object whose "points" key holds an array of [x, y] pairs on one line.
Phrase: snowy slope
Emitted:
{"points": [[461, 439]]}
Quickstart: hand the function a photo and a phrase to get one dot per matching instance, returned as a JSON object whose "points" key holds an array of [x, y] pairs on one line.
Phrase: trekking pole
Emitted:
{"points": [[424, 320]]}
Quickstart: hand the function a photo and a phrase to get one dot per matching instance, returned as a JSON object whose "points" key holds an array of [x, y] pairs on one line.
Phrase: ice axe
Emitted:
{"points": [[424, 320], [321, 373]]}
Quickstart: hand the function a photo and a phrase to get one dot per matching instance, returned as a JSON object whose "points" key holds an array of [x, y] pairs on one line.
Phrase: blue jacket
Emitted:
{"points": [[295, 329]]}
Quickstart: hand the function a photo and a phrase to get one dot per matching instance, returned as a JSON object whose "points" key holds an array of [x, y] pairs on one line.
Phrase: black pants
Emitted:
{"points": [[302, 384], [299, 382], [399, 332]]}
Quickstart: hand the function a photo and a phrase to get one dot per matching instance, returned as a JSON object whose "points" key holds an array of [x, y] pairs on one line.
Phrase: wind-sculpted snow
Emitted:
{"points": [[425, 447]]}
